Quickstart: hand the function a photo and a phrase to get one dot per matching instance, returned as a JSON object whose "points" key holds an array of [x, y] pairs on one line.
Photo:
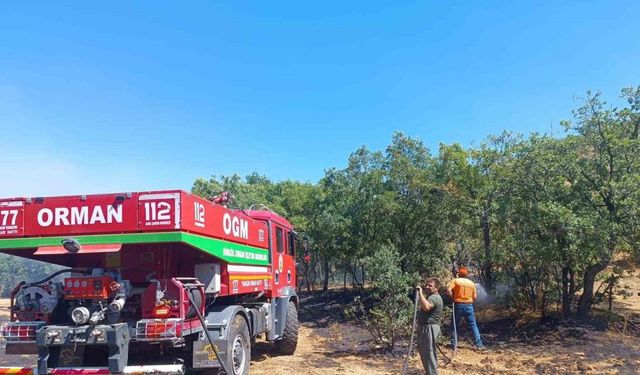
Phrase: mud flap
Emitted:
{"points": [[203, 354], [218, 320], [280, 307]]}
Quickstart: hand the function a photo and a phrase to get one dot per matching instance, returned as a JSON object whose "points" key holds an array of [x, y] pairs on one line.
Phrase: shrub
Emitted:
{"points": [[385, 308]]}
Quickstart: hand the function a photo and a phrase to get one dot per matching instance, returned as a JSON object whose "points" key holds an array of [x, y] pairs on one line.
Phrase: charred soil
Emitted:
{"points": [[330, 344]]}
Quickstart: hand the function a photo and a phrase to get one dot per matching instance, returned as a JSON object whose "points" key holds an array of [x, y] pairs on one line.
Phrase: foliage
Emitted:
{"points": [[13, 270], [385, 309], [542, 215], [291, 199]]}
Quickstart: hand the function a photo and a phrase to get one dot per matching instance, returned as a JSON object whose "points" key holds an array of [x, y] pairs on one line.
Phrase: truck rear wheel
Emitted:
{"points": [[289, 341], [238, 347]]}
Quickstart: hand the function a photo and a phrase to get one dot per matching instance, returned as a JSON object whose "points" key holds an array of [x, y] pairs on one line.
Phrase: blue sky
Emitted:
{"points": [[144, 95]]}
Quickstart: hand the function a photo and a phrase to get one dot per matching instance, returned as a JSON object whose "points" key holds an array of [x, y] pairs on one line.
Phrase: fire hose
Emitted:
{"points": [[413, 330], [206, 331], [36, 283], [455, 329]]}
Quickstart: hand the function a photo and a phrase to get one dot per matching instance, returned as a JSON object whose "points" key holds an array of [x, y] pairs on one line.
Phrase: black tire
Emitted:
{"points": [[238, 347], [289, 341]]}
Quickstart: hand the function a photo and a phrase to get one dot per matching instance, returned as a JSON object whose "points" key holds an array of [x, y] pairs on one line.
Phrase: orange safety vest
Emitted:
{"points": [[463, 290]]}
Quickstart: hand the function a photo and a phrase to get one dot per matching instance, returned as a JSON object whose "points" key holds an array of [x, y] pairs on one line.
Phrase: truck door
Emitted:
{"points": [[283, 259], [290, 259]]}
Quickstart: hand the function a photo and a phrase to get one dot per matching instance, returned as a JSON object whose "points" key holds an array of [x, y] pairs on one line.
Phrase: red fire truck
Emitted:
{"points": [[153, 282]]}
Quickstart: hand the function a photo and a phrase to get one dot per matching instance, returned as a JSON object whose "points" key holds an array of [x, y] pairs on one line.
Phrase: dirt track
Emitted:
{"points": [[329, 345], [607, 355]]}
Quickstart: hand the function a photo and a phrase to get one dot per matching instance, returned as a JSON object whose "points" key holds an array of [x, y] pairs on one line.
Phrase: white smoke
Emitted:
{"points": [[483, 296]]}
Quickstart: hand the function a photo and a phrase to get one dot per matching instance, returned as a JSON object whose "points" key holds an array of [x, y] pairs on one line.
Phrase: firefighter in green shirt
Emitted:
{"points": [[429, 317]]}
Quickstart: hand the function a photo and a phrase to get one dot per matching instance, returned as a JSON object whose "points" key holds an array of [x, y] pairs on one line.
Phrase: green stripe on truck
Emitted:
{"points": [[225, 250]]}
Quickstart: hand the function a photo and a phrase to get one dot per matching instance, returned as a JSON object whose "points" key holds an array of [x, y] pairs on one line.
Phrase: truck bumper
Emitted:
{"points": [[63, 346], [129, 370], [16, 371]]}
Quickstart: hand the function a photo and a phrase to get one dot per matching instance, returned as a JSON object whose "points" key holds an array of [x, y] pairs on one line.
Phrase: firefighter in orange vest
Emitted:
{"points": [[464, 293]]}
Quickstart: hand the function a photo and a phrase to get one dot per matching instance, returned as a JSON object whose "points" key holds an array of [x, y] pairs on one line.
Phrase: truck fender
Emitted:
{"points": [[219, 317]]}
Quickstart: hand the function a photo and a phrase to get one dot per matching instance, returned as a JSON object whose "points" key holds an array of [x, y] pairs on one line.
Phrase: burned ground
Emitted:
{"points": [[330, 344]]}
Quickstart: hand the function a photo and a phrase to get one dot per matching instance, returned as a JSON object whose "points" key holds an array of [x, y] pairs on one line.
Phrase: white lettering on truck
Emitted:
{"points": [[5, 217], [79, 215], [236, 227], [198, 209], [9, 219]]}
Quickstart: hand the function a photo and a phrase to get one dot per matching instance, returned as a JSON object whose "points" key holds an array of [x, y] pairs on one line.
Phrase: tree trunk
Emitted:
{"points": [[487, 273], [572, 285], [313, 275], [354, 276], [610, 295], [584, 303], [567, 292], [307, 276], [344, 280], [533, 295], [325, 286]]}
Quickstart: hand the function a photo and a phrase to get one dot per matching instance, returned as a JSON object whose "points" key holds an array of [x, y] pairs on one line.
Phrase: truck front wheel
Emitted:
{"points": [[239, 347], [289, 341]]}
